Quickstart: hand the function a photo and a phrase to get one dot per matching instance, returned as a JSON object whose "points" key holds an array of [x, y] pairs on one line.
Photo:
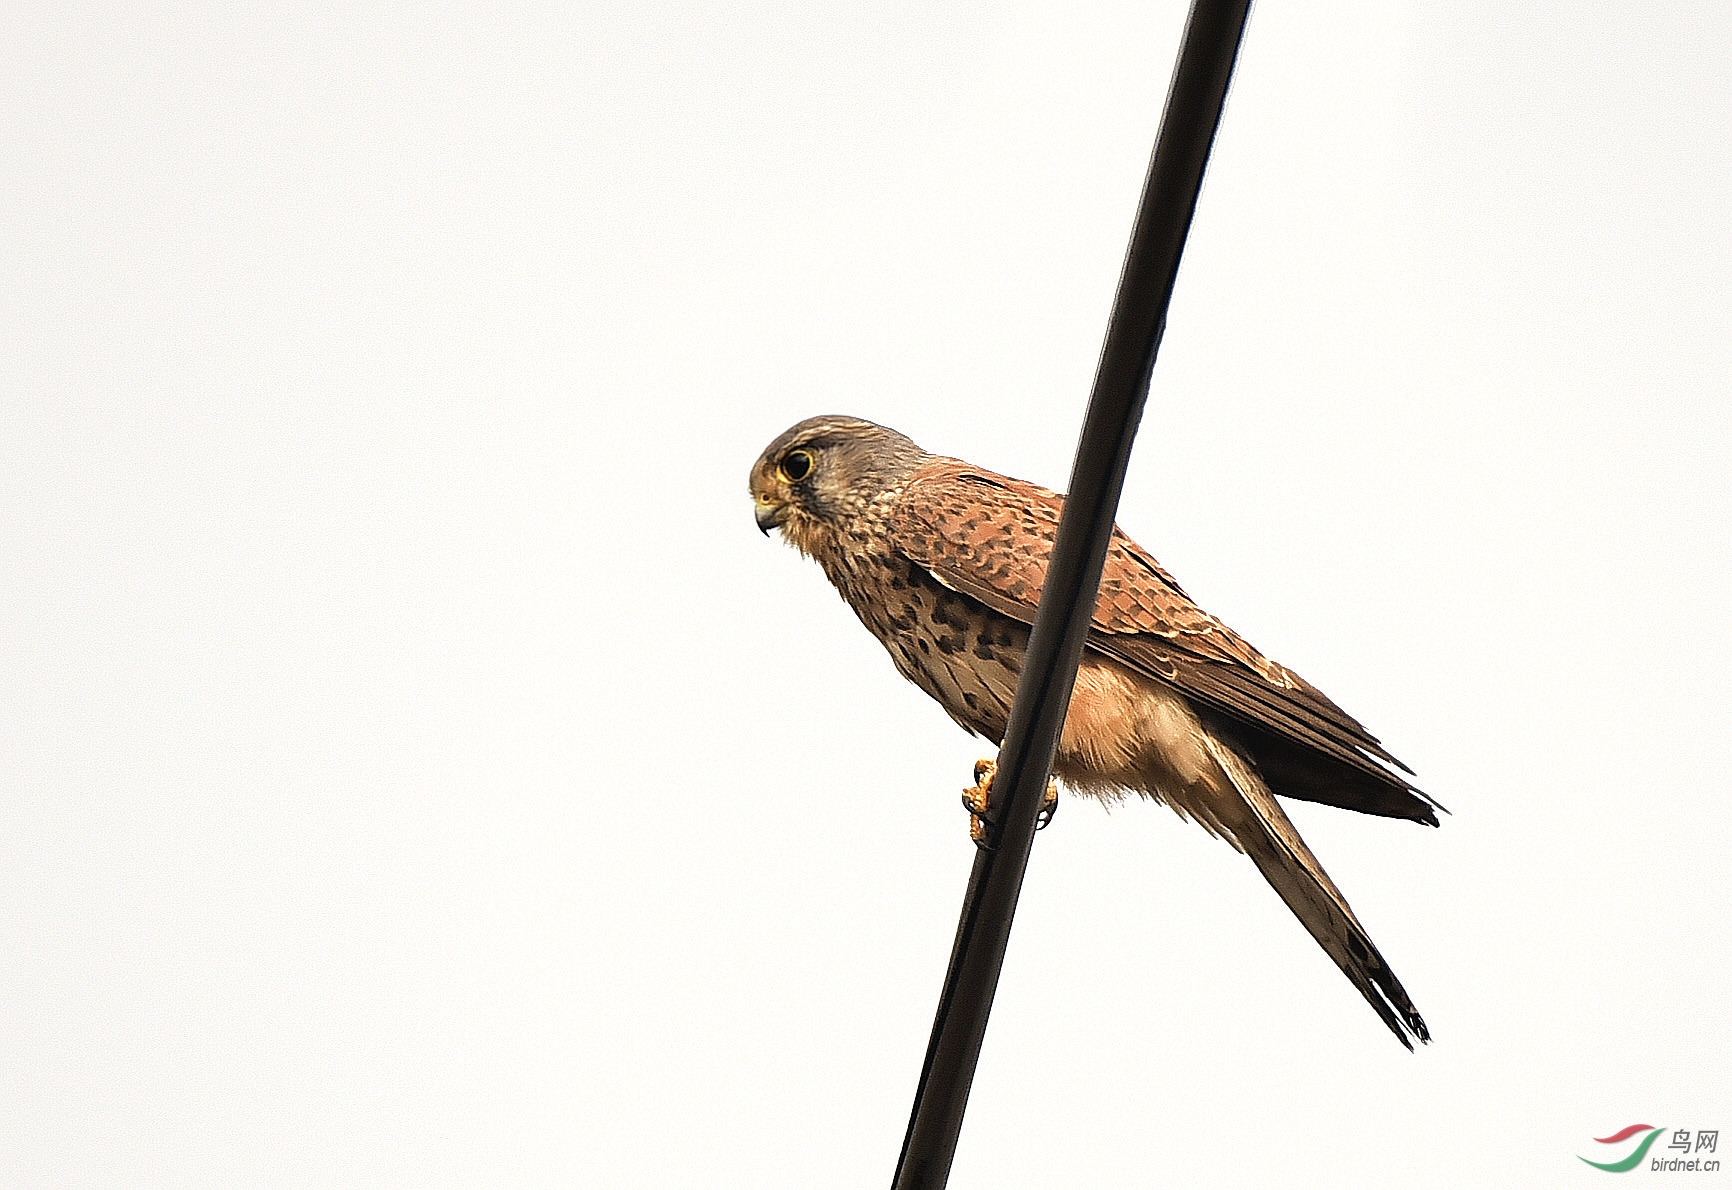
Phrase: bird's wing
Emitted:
{"points": [[990, 537]]}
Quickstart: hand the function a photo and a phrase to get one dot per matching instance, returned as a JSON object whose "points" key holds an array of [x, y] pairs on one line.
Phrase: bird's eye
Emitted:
{"points": [[795, 465]]}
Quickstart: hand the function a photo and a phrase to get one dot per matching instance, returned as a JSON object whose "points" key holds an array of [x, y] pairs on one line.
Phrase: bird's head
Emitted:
{"points": [[821, 473]]}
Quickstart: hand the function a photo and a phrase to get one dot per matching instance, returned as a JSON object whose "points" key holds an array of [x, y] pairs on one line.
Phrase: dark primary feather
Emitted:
{"points": [[964, 524]]}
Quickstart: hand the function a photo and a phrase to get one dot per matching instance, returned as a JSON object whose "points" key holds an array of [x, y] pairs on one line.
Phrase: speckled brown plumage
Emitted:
{"points": [[944, 562]]}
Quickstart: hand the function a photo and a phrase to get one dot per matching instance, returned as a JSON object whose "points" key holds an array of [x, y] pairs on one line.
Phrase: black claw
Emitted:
{"points": [[1048, 810]]}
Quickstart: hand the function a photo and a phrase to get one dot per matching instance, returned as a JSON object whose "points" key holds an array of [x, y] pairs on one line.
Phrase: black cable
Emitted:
{"points": [[1199, 88]]}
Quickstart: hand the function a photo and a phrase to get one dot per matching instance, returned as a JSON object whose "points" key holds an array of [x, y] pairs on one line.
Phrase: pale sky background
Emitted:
{"points": [[418, 772]]}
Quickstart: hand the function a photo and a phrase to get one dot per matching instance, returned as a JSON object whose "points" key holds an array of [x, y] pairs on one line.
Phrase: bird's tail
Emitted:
{"points": [[1264, 832]]}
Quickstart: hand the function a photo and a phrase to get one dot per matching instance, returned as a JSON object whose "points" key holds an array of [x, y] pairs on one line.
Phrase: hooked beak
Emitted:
{"points": [[769, 515]]}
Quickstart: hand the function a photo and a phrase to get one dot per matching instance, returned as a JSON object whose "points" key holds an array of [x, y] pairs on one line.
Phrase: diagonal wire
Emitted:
{"points": [[1194, 100]]}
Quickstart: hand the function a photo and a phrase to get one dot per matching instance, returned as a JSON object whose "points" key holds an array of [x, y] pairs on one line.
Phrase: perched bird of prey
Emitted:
{"points": [[944, 561]]}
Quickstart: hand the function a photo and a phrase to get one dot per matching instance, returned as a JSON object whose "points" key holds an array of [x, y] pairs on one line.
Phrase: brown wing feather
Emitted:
{"points": [[990, 537]]}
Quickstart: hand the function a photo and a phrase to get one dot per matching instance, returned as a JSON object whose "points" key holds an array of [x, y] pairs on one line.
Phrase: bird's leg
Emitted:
{"points": [[978, 798], [975, 799]]}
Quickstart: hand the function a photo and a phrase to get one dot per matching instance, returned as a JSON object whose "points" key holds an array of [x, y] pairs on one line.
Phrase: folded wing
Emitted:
{"points": [[990, 537]]}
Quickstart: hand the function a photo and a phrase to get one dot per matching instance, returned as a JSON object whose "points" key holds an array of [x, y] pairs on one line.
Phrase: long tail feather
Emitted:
{"points": [[1265, 833]]}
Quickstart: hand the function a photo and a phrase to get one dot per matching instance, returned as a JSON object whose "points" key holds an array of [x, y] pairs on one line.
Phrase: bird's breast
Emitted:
{"points": [[965, 655]]}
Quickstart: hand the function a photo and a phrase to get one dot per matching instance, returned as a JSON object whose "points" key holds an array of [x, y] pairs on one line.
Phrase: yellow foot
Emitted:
{"points": [[978, 798]]}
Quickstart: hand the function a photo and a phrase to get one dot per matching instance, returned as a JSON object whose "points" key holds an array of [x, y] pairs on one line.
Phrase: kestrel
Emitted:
{"points": [[944, 562]]}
